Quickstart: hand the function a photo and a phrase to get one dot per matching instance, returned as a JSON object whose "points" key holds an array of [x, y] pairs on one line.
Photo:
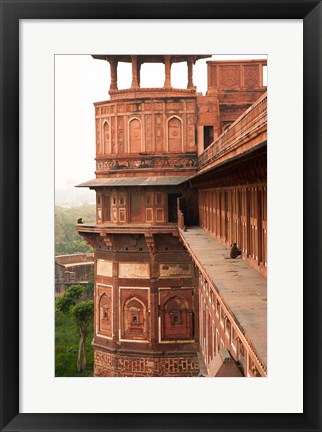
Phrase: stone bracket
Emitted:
{"points": [[108, 240], [150, 242], [89, 238]]}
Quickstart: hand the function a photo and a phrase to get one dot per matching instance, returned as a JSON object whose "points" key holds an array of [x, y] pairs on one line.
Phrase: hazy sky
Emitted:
{"points": [[79, 82]]}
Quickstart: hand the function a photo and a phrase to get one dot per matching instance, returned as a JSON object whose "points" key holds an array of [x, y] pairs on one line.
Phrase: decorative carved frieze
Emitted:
{"points": [[154, 162]]}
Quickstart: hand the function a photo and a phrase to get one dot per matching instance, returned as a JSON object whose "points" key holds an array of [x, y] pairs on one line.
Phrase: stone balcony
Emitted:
{"points": [[102, 229], [93, 234]]}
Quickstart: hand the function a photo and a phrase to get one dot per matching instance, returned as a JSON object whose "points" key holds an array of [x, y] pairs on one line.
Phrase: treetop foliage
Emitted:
{"points": [[83, 313], [67, 240], [69, 299]]}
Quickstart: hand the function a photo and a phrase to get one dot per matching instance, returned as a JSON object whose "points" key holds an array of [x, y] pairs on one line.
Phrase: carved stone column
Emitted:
{"points": [[167, 63], [190, 69], [139, 73], [135, 82], [113, 68]]}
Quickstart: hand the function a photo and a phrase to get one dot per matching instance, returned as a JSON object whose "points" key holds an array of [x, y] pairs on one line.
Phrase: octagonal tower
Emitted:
{"points": [[146, 303]]}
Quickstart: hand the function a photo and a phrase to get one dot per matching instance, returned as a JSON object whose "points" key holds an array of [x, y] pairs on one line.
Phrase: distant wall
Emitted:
{"points": [[72, 269]]}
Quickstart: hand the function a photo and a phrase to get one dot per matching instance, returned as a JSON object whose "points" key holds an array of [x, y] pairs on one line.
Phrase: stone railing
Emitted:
{"points": [[141, 92], [243, 340], [250, 121]]}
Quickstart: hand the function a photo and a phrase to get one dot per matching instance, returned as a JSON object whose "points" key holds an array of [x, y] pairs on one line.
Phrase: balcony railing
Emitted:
{"points": [[250, 121]]}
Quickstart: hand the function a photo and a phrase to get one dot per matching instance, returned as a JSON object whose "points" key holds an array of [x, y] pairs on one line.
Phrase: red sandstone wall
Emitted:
{"points": [[141, 127], [121, 365], [145, 304]]}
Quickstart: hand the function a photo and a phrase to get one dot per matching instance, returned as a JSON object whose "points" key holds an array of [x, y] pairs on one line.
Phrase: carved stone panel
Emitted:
{"points": [[136, 206], [149, 215], [174, 106], [134, 314], [158, 133], [105, 110], [175, 270], [251, 76], [134, 270], [113, 135], [120, 134], [148, 133], [135, 136], [104, 267], [190, 105], [177, 316], [229, 77], [191, 137], [159, 215], [104, 311], [106, 138], [98, 137], [148, 106], [121, 108], [175, 135], [122, 214]]}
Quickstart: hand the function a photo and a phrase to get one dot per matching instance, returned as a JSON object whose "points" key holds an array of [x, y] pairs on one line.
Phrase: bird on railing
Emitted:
{"points": [[80, 221], [235, 251]]}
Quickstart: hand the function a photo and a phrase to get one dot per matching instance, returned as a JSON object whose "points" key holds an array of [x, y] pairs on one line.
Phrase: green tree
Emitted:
{"points": [[89, 287], [82, 312]]}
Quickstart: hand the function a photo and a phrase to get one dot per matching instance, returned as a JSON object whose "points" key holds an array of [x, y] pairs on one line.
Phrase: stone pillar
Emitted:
{"points": [[167, 63], [190, 68], [139, 73], [113, 69], [135, 82]]}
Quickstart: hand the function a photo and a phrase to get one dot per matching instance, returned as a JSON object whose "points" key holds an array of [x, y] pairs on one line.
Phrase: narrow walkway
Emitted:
{"points": [[242, 289]]}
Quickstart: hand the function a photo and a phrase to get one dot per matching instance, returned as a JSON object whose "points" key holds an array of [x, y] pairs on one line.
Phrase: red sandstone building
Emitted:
{"points": [[179, 178]]}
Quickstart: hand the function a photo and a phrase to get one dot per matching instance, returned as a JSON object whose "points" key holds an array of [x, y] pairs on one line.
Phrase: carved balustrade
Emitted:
{"points": [[250, 122]]}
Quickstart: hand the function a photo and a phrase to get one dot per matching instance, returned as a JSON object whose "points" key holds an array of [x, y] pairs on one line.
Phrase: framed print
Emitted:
{"points": [[154, 300]]}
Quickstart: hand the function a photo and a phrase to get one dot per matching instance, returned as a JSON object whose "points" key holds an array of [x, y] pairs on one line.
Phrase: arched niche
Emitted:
{"points": [[177, 319], [135, 135], [105, 314], [175, 134], [135, 319], [106, 138]]}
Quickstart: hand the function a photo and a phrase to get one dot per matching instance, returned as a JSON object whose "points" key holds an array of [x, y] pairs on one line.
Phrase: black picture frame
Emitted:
{"points": [[11, 12]]}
